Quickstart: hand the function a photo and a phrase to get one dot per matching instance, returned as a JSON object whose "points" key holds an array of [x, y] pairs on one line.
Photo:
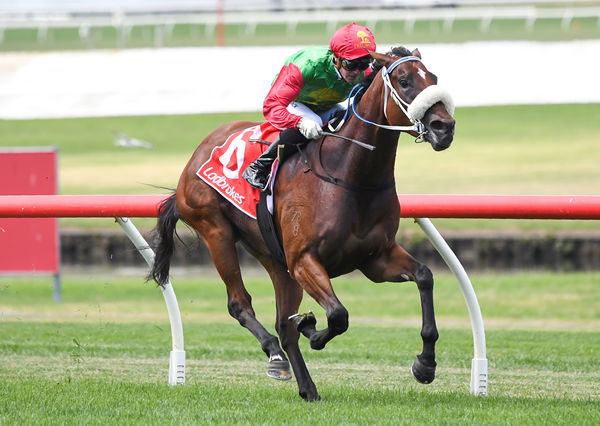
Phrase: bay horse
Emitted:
{"points": [[328, 227]]}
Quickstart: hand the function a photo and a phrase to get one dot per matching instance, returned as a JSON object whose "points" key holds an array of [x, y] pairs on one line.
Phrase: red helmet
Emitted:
{"points": [[352, 41]]}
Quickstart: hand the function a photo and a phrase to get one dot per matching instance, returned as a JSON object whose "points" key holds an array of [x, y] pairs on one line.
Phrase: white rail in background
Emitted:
{"points": [[292, 18]]}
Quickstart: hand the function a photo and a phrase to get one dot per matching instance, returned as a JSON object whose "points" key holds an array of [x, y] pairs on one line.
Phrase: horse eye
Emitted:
{"points": [[403, 83]]}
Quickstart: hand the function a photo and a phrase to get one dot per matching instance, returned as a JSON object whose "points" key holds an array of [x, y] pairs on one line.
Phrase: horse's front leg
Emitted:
{"points": [[288, 295], [396, 265], [315, 281]]}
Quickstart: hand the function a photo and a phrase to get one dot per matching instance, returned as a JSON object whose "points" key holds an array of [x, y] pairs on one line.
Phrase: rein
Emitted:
{"points": [[417, 127], [357, 142]]}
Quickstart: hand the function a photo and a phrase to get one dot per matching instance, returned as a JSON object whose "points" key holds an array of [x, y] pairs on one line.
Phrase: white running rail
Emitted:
{"points": [[177, 358]]}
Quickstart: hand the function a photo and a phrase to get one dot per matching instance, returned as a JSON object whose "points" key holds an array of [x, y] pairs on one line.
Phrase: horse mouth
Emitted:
{"points": [[440, 146], [440, 134]]}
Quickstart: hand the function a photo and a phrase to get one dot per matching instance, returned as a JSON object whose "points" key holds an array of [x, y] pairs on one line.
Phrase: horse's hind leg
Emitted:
{"points": [[397, 265], [218, 237]]}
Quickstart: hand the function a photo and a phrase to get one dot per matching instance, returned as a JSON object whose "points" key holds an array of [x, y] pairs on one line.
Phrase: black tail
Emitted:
{"points": [[168, 215]]}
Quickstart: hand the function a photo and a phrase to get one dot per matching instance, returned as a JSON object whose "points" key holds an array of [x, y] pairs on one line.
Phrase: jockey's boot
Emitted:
{"points": [[258, 172]]}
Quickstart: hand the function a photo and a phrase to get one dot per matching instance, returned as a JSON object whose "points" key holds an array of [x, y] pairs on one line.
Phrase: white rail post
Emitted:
{"points": [[177, 358], [479, 363]]}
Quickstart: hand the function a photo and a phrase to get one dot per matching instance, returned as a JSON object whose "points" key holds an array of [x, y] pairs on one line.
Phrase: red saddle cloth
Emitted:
{"points": [[223, 170]]}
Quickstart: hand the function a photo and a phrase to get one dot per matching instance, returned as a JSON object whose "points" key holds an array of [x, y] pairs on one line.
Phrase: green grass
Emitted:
{"points": [[101, 356], [547, 149], [387, 32]]}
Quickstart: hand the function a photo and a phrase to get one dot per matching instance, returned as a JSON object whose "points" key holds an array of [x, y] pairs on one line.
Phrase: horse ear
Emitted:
{"points": [[381, 58], [417, 53]]}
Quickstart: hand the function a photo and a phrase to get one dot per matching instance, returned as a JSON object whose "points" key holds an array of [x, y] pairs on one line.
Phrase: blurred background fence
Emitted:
{"points": [[38, 24]]}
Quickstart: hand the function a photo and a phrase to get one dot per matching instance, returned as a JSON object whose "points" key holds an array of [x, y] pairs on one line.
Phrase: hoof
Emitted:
{"points": [[312, 397], [279, 368], [303, 320], [423, 373], [317, 341]]}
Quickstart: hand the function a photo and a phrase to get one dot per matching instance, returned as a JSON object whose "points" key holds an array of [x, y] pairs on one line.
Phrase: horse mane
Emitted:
{"points": [[399, 51]]}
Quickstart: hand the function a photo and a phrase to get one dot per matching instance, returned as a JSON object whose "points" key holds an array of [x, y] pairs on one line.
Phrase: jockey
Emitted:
{"points": [[308, 90]]}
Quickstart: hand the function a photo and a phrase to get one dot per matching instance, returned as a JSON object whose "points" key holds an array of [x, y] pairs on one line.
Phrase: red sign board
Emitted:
{"points": [[29, 245]]}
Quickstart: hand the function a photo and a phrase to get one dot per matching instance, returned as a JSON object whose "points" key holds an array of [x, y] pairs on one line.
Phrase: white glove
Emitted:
{"points": [[310, 129]]}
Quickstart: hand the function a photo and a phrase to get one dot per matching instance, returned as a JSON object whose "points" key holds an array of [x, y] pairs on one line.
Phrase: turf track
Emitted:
{"points": [[101, 356]]}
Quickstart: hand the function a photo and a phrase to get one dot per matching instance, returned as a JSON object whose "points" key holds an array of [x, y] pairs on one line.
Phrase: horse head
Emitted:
{"points": [[417, 99]]}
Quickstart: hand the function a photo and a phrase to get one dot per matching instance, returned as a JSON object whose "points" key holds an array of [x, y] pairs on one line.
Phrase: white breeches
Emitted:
{"points": [[302, 110]]}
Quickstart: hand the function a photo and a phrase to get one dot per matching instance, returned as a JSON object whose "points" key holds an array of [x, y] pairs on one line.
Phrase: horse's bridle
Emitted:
{"points": [[414, 110]]}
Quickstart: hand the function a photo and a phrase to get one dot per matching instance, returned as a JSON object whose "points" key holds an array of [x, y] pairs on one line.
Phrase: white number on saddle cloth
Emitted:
{"points": [[222, 170], [232, 166]]}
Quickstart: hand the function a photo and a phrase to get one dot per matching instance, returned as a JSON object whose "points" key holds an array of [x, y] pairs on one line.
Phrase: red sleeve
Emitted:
{"points": [[286, 88]]}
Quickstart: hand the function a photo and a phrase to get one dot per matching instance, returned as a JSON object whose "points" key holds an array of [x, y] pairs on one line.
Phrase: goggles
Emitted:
{"points": [[357, 64]]}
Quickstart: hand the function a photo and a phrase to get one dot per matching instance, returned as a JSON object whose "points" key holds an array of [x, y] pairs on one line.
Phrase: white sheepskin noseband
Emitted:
{"points": [[428, 97]]}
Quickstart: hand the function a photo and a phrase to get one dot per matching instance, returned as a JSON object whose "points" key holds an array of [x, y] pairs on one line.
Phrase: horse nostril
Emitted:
{"points": [[442, 126]]}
